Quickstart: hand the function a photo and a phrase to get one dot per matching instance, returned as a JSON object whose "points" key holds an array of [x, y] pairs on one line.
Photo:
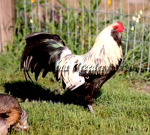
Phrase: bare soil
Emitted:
{"points": [[142, 86]]}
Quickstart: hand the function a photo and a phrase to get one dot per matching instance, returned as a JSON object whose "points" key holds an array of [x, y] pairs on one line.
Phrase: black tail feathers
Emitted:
{"points": [[42, 51]]}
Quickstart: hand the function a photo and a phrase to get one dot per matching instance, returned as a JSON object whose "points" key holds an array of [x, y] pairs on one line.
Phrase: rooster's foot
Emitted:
{"points": [[91, 108]]}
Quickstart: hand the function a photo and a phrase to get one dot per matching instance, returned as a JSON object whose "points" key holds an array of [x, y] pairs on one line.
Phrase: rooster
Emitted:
{"points": [[11, 114], [80, 73]]}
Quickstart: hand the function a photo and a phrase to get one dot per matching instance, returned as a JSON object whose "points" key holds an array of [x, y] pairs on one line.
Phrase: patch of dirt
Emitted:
{"points": [[142, 86], [146, 88]]}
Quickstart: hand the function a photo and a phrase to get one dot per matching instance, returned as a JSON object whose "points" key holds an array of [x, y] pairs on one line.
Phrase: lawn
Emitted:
{"points": [[120, 107]]}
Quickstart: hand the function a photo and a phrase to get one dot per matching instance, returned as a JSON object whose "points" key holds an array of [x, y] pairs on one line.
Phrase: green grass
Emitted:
{"points": [[119, 108]]}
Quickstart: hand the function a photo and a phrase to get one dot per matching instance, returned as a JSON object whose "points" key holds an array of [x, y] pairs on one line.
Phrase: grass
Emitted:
{"points": [[119, 109]]}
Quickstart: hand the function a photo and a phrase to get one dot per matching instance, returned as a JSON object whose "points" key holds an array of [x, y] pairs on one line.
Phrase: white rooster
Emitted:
{"points": [[81, 73]]}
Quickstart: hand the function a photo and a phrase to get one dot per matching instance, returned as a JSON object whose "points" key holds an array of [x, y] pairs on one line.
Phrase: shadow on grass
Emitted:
{"points": [[28, 90]]}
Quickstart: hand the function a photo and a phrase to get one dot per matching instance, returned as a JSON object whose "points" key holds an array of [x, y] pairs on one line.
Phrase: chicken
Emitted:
{"points": [[80, 73], [3, 127], [11, 114]]}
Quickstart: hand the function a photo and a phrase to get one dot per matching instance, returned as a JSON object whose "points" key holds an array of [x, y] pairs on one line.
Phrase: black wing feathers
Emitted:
{"points": [[42, 51], [36, 36]]}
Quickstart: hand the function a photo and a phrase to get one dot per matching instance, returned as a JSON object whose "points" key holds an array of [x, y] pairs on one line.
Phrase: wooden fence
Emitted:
{"points": [[7, 23]]}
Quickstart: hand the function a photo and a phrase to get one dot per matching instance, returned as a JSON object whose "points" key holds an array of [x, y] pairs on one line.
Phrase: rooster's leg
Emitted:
{"points": [[91, 108], [89, 101]]}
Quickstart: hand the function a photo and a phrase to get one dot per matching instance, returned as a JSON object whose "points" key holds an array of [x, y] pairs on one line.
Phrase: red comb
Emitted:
{"points": [[119, 27], [121, 24]]}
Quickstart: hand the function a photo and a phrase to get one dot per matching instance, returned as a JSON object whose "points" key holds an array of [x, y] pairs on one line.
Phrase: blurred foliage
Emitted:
{"points": [[79, 27]]}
